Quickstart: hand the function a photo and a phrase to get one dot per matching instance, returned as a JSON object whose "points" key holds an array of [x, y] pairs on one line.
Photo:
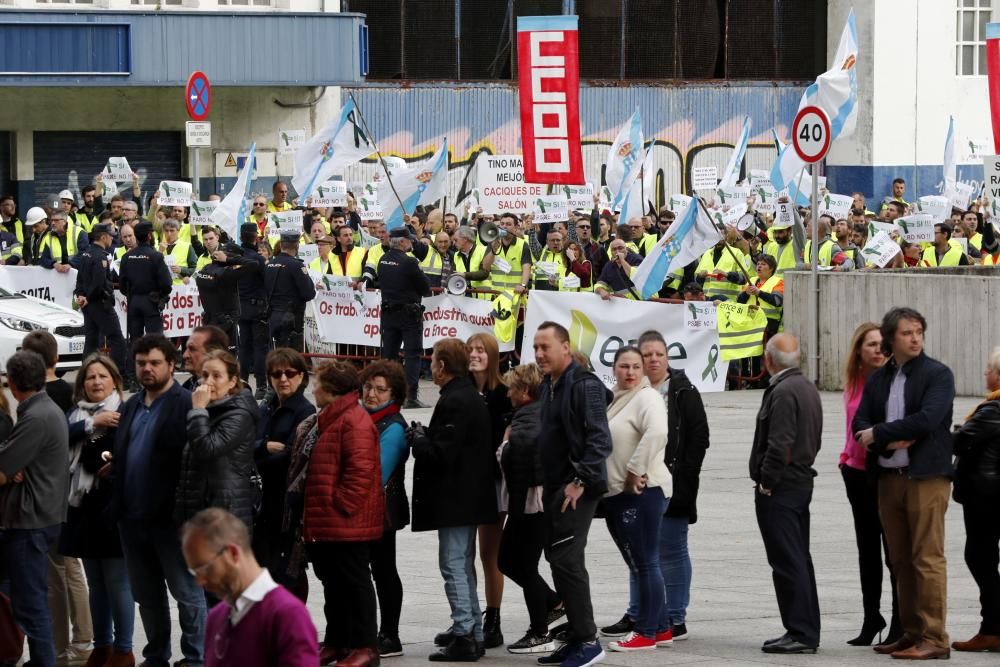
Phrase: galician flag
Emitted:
{"points": [[624, 161], [836, 92], [641, 193], [950, 170], [422, 184], [340, 144], [732, 172], [684, 242], [232, 211]]}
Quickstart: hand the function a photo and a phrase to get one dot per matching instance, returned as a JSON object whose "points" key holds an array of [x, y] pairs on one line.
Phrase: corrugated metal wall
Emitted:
{"points": [[692, 125]]}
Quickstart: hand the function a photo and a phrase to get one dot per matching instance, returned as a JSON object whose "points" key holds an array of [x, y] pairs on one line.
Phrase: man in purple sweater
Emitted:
{"points": [[259, 622]]}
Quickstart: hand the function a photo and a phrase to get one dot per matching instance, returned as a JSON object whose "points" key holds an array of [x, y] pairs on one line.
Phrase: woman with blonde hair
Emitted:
{"points": [[484, 369], [863, 359]]}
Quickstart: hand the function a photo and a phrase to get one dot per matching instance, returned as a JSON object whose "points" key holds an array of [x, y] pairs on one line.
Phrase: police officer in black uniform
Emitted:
{"points": [[96, 297], [146, 282], [253, 336], [288, 288], [219, 290], [403, 286]]}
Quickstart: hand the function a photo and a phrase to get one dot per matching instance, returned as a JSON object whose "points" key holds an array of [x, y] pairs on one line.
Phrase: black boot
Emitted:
{"points": [[463, 648], [492, 637], [873, 625]]}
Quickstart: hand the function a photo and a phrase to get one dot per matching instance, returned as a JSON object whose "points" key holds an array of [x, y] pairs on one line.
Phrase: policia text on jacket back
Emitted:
{"points": [[146, 282], [403, 286]]}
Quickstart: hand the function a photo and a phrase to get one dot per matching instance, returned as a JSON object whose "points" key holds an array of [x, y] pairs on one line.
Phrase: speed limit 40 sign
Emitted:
{"points": [[811, 134]]}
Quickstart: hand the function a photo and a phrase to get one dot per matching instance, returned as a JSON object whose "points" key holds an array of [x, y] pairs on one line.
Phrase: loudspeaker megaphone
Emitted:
{"points": [[456, 284], [489, 232]]}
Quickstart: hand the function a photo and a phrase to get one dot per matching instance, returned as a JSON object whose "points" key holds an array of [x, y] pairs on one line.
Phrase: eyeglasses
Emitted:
{"points": [[583, 226], [371, 388], [197, 571], [289, 373], [258, 203]]}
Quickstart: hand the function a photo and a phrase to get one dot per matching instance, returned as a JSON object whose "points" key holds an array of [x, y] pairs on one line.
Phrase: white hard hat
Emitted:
{"points": [[35, 215], [66, 194]]}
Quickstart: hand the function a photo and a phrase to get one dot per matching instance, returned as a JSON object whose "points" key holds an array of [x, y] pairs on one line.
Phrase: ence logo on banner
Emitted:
{"points": [[549, 93]]}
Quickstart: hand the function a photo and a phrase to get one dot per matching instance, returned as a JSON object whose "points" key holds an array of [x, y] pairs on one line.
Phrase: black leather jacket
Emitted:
{"points": [[977, 450]]}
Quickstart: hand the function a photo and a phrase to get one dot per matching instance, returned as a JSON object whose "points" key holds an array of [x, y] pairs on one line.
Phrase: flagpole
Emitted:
{"points": [[722, 238], [377, 152]]}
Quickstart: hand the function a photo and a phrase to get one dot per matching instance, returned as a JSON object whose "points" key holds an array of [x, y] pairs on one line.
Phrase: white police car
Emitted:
{"points": [[20, 315]]}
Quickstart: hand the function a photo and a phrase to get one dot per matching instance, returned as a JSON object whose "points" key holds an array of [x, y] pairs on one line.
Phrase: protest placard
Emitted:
{"points": [[700, 315], [937, 206], [836, 206], [783, 216], [369, 207], [174, 193], [991, 177], [290, 141], [765, 198], [550, 208], [678, 203], [40, 283], [880, 249], [201, 212], [917, 228], [284, 220], [308, 252], [732, 196], [117, 170], [578, 197], [959, 194], [329, 194], [500, 179], [704, 178]]}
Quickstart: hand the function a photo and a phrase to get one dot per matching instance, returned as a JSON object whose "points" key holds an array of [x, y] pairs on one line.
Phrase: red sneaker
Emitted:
{"points": [[633, 642], [665, 638]]}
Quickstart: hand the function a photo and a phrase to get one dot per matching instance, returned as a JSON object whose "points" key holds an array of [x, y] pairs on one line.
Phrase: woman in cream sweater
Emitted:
{"points": [[638, 486]]}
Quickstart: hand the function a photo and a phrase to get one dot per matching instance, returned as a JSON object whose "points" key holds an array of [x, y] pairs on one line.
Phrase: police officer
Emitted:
{"points": [[146, 282], [288, 287], [218, 286], [96, 297], [253, 335], [403, 286]]}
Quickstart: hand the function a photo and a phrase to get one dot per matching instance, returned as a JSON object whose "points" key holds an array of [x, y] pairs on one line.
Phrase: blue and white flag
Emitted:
{"points": [[421, 184], [232, 211], [684, 242], [732, 172], [340, 144], [636, 204], [950, 170], [624, 161], [836, 92]]}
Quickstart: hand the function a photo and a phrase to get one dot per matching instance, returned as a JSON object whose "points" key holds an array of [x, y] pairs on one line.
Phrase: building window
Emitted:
{"points": [[970, 36], [245, 3], [157, 2]]}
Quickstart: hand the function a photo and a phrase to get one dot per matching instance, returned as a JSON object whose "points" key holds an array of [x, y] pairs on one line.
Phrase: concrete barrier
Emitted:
{"points": [[962, 308]]}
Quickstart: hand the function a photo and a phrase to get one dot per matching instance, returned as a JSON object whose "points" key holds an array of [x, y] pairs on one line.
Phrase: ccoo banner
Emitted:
{"points": [[598, 328], [549, 92]]}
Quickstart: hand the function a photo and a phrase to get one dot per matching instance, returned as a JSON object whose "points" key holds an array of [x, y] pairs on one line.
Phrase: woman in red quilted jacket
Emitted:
{"points": [[343, 515]]}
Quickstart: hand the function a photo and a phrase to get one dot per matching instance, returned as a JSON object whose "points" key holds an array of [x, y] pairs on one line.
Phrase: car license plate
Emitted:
{"points": [[75, 346]]}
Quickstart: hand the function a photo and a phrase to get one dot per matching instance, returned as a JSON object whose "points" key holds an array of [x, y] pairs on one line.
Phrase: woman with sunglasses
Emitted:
{"points": [[281, 412]]}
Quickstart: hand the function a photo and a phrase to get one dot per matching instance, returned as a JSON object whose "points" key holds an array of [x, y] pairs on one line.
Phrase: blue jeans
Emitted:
{"points": [[634, 523], [456, 556], [675, 564], [153, 556], [112, 606], [24, 561]]}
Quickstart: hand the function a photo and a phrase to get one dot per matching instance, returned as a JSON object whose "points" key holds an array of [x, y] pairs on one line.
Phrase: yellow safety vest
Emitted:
{"points": [[976, 241], [179, 253], [56, 248], [783, 254], [770, 312], [513, 255], [505, 308], [204, 260], [721, 288], [271, 208], [991, 259], [84, 221], [317, 265], [374, 255], [120, 252], [626, 293], [950, 258], [476, 262], [433, 263], [355, 263], [646, 243], [825, 252], [741, 332], [548, 256]]}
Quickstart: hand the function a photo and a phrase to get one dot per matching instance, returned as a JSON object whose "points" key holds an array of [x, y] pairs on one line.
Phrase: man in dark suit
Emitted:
{"points": [[904, 419], [785, 444]]}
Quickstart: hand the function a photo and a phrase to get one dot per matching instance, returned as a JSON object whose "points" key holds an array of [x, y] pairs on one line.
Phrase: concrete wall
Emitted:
{"points": [[963, 325]]}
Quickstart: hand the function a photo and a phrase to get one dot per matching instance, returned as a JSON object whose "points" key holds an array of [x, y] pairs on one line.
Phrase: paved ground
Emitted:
{"points": [[733, 606]]}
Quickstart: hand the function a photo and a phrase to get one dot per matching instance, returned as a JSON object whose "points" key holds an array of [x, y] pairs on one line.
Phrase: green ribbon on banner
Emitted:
{"points": [[713, 358]]}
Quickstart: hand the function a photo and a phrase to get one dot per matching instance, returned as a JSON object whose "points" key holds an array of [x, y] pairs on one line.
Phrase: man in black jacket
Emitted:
{"points": [[96, 298], [785, 444], [574, 442], [147, 463], [904, 419]]}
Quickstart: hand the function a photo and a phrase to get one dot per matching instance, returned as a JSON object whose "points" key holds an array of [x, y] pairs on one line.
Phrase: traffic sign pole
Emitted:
{"points": [[197, 102], [814, 279]]}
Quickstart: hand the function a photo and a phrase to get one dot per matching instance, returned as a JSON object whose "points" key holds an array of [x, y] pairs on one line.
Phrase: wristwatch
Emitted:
{"points": [[524, 284], [578, 483]]}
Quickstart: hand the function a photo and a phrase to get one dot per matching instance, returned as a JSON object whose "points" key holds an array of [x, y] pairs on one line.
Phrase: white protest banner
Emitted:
{"points": [[329, 194], [349, 317], [308, 252], [117, 170], [728, 216], [678, 203], [959, 194], [501, 184], [766, 198], [760, 178], [578, 197], [201, 212], [369, 207], [876, 226], [550, 208], [290, 141], [700, 315], [598, 328], [704, 178], [174, 193], [880, 250], [45, 284], [937, 206], [784, 217], [836, 206], [285, 220], [916, 228], [605, 198], [181, 314], [732, 196]]}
